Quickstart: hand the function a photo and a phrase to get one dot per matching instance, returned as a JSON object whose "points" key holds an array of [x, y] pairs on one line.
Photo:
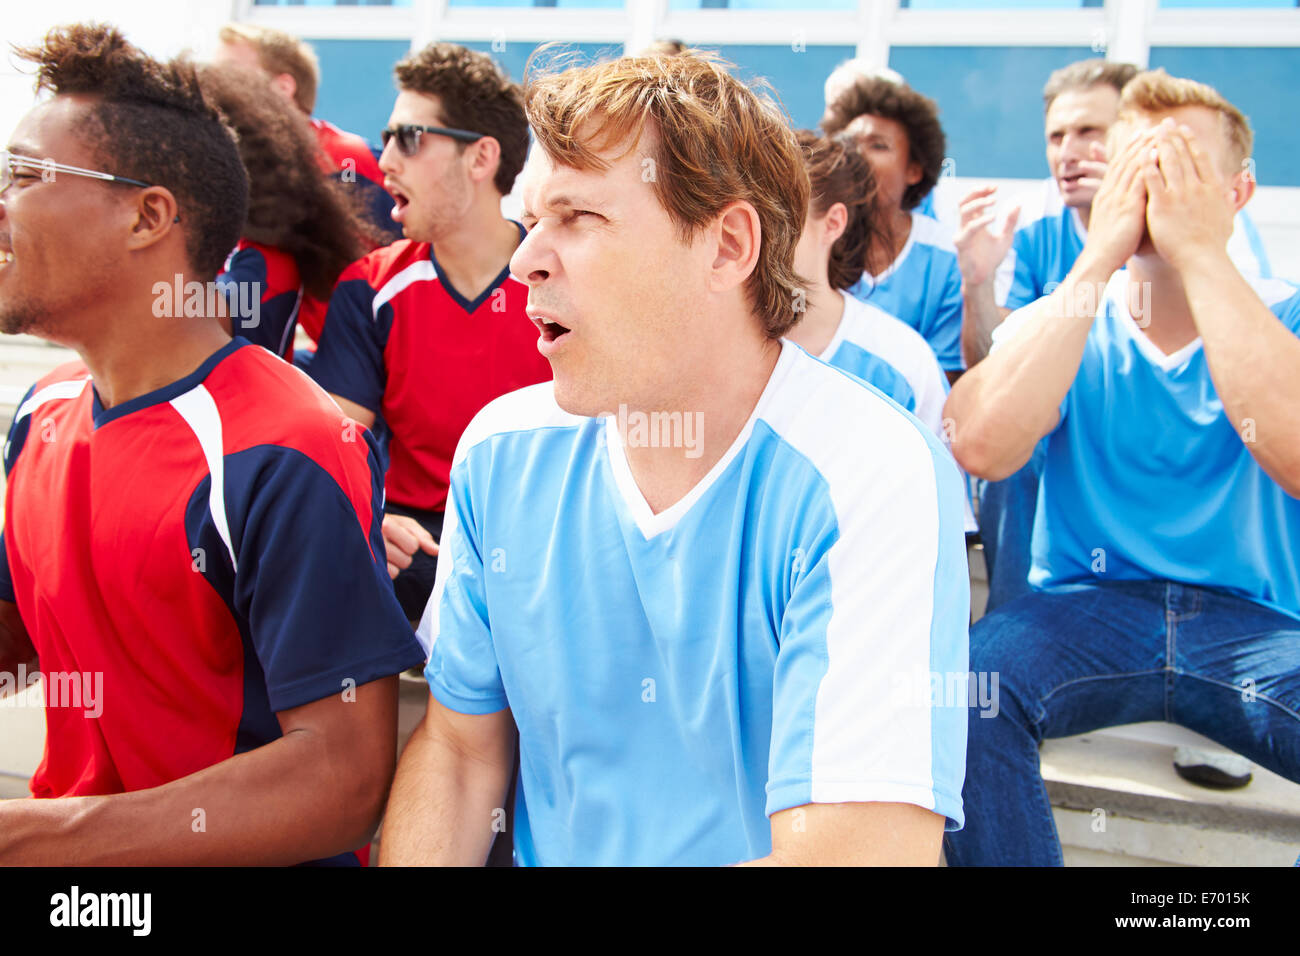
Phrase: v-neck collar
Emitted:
{"points": [[650, 524], [460, 300], [1117, 292], [100, 416]]}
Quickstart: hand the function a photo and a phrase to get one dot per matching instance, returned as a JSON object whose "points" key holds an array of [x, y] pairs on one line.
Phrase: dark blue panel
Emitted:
{"points": [[357, 88], [1261, 82], [990, 101]]}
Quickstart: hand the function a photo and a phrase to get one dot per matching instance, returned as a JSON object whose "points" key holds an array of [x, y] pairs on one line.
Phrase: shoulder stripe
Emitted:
{"points": [[421, 271], [200, 412], [69, 389]]}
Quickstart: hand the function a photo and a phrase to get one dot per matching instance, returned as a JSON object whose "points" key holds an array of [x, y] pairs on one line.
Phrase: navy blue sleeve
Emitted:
{"points": [[13, 445], [263, 320], [350, 355], [311, 586]]}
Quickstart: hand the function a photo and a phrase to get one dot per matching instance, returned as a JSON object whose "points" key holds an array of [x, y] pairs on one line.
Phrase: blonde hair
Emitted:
{"points": [[715, 142], [279, 52], [1155, 91]]}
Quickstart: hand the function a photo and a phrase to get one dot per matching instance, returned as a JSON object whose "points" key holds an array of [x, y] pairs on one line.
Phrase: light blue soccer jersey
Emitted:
{"points": [[1146, 478], [1048, 239], [853, 357], [1050, 235], [923, 288], [866, 331], [763, 644]]}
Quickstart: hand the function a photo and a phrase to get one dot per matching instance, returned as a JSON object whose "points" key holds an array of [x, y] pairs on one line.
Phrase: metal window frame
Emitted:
{"points": [[1121, 29]]}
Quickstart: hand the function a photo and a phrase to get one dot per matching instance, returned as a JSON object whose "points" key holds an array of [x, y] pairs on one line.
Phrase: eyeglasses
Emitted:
{"points": [[408, 136], [47, 168]]}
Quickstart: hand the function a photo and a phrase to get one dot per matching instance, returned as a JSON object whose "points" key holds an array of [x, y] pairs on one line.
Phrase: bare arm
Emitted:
{"points": [[1003, 406], [981, 314], [979, 253], [403, 536], [358, 413], [15, 646], [854, 834], [1254, 359], [451, 784], [315, 792]]}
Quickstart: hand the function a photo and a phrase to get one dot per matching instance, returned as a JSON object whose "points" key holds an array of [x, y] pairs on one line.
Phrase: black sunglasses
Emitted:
{"points": [[408, 136]]}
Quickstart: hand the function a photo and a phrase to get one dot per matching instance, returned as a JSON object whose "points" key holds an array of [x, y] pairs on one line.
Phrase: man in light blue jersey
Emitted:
{"points": [[1165, 571], [1033, 250], [910, 270], [712, 607]]}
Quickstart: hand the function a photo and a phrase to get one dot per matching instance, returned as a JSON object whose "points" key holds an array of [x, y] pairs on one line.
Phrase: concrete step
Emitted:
{"points": [[1118, 802]]}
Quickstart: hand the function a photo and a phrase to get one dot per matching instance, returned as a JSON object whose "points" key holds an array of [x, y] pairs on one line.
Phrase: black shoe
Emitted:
{"points": [[1218, 771]]}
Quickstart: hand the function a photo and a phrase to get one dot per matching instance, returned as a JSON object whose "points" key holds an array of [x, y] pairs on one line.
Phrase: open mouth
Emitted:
{"points": [[6, 257], [551, 331], [400, 202], [1071, 180]]}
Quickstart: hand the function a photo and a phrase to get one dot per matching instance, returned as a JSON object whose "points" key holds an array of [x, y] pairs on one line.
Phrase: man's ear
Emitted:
{"points": [[738, 237], [153, 216], [487, 159], [1243, 185]]}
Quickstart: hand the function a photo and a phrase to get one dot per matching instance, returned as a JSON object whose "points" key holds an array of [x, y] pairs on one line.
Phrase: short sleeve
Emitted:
{"points": [[14, 442], [350, 354], [6, 579], [853, 720], [944, 333], [462, 672], [258, 312], [1023, 286], [310, 568]]}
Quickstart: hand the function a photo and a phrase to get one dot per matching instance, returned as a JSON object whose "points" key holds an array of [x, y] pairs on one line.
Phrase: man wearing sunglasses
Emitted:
{"points": [[191, 553], [422, 334]]}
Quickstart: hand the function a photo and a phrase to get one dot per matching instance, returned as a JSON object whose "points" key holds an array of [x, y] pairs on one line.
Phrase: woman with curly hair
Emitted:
{"points": [[301, 230], [839, 329], [910, 267]]}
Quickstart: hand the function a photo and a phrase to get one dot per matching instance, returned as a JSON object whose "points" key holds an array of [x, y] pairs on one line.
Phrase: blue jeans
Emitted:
{"points": [[1006, 528], [1080, 657]]}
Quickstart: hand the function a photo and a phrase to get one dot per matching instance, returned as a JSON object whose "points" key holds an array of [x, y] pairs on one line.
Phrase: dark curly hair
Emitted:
{"points": [[474, 94], [150, 121], [917, 114], [291, 205], [837, 172]]}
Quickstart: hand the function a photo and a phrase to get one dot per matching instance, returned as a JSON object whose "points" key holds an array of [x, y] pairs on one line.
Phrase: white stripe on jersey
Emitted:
{"points": [[866, 491], [200, 412], [415, 272], [70, 389]]}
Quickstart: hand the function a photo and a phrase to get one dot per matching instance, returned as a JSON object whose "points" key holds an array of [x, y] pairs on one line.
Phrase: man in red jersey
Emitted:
{"points": [[422, 334], [292, 70], [192, 554]]}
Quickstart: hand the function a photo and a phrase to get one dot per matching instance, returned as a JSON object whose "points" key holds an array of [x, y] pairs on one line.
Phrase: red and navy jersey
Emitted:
{"points": [[264, 293], [401, 342], [344, 152], [211, 549]]}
